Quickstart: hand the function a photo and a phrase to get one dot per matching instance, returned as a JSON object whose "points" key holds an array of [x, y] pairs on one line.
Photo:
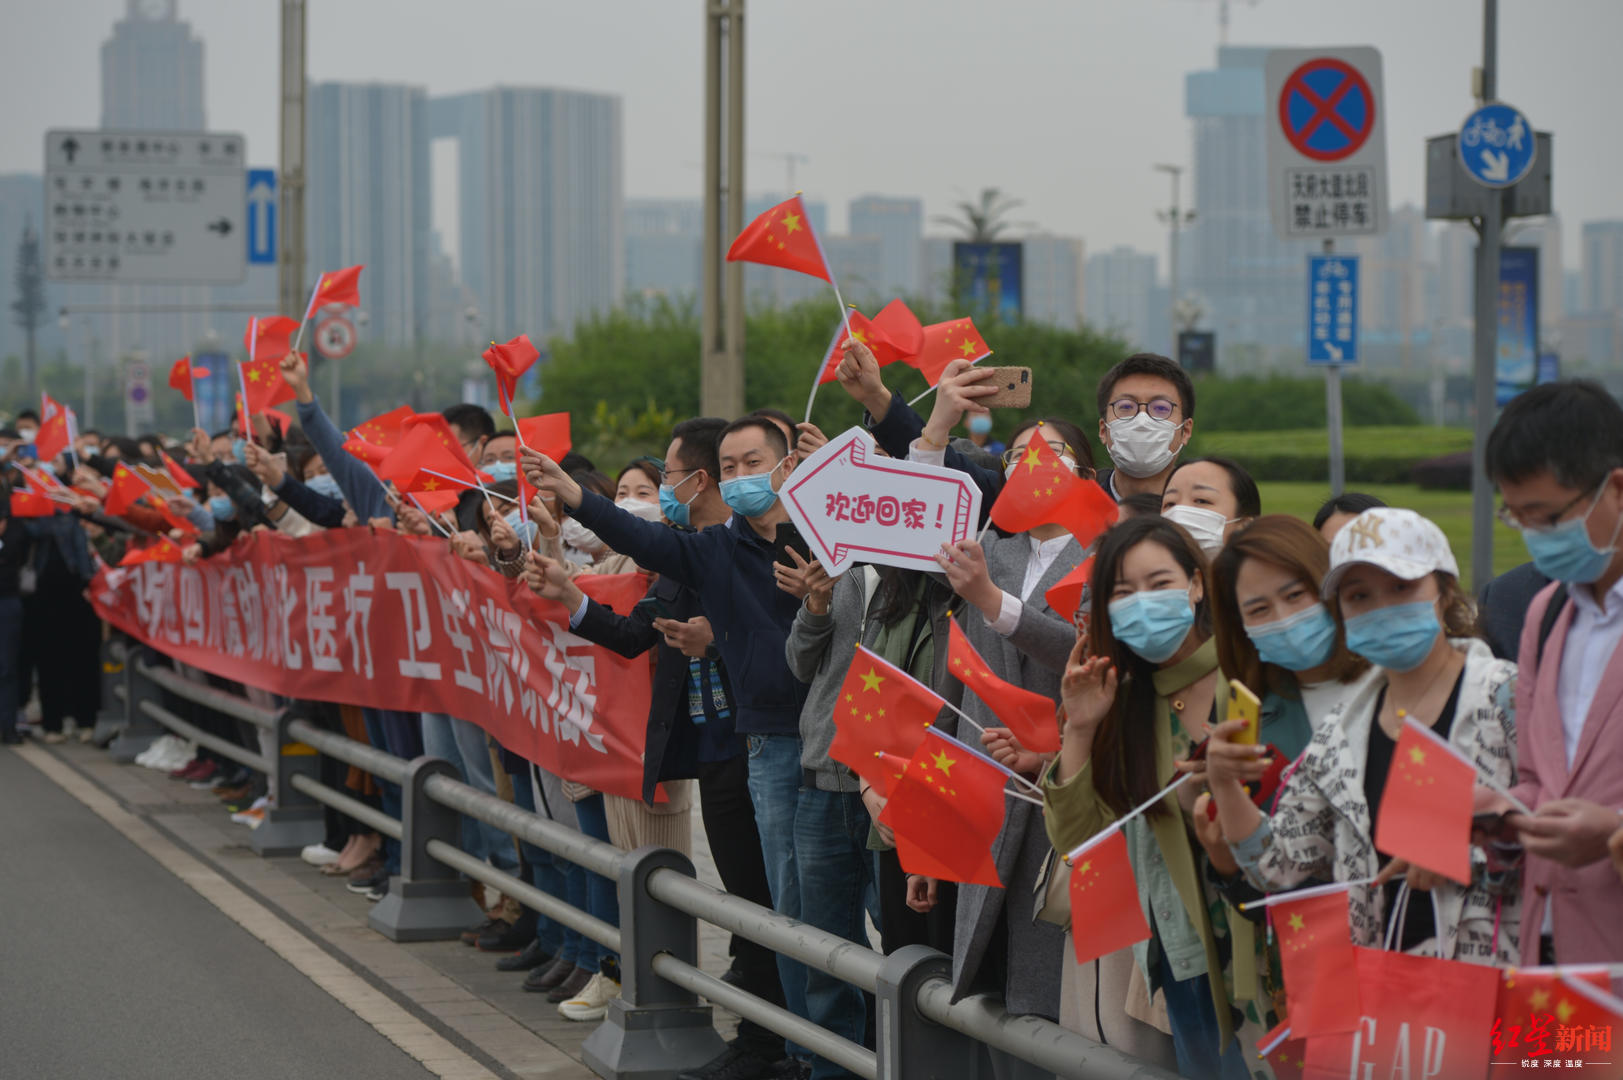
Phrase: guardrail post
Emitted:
{"points": [[111, 718], [140, 731], [930, 1051], [428, 901], [292, 819], [654, 1029]]}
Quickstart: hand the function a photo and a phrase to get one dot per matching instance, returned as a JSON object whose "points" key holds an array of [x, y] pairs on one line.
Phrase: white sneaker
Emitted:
{"points": [[593, 1001], [70, 726], [318, 855], [182, 753]]}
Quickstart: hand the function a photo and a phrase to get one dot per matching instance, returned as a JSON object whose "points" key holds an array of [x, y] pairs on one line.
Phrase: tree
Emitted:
{"points": [[29, 307], [984, 220]]}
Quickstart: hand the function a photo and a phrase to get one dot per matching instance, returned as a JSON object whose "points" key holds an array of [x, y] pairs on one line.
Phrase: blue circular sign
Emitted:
{"points": [[1497, 145]]}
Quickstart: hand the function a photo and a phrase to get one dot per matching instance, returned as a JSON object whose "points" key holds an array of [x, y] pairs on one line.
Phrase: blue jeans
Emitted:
{"points": [[463, 745], [1194, 1031], [775, 790], [400, 733], [438, 742], [543, 874], [836, 872], [11, 651], [602, 898]]}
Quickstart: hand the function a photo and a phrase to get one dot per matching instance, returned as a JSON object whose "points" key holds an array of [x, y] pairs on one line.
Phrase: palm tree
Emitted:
{"points": [[985, 220]]}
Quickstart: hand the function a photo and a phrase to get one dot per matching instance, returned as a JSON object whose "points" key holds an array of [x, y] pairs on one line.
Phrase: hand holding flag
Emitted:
{"points": [[1425, 814], [510, 361]]}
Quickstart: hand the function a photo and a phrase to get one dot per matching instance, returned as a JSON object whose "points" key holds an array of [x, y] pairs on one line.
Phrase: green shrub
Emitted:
{"points": [[1281, 403], [1374, 455]]}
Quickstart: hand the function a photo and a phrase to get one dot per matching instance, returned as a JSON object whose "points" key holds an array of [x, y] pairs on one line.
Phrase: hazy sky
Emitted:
{"points": [[1065, 103]]}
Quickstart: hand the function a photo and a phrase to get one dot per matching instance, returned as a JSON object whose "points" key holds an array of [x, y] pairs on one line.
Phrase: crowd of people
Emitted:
{"points": [[1347, 628]]}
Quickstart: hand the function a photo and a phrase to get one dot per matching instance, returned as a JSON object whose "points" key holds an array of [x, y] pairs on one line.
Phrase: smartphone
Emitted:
{"points": [[788, 539], [1013, 388], [1244, 705], [655, 605]]}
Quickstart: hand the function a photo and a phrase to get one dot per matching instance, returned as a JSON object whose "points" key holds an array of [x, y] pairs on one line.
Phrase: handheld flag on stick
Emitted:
{"points": [[893, 335], [181, 374], [54, 434], [27, 503], [1105, 913], [372, 440], [127, 487], [1317, 960], [1028, 716], [1065, 596], [882, 709], [510, 361], [945, 342], [1043, 491], [335, 287], [1425, 814], [946, 810]]}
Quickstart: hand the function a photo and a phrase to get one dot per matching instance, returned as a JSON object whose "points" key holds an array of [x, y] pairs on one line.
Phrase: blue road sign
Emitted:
{"points": [[1497, 146], [1516, 364], [261, 217], [1332, 309]]}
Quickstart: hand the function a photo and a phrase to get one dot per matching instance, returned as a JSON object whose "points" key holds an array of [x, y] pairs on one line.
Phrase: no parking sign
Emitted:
{"points": [[1326, 126]]}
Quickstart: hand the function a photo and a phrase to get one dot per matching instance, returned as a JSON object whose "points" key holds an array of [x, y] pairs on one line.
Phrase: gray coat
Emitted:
{"points": [[1032, 657]]}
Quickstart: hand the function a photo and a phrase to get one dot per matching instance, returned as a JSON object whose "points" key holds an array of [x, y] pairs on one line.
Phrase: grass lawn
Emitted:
{"points": [[1451, 510]]}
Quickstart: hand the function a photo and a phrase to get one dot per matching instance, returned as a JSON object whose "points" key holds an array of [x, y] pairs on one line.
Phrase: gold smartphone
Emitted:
{"points": [[1244, 705]]}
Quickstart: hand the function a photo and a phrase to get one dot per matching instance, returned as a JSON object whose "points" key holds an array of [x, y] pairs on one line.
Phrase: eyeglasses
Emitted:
{"points": [[1017, 455], [1505, 515], [1159, 408]]}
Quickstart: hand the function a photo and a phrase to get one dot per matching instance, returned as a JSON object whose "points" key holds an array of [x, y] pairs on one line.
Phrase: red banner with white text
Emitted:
{"points": [[396, 622]]}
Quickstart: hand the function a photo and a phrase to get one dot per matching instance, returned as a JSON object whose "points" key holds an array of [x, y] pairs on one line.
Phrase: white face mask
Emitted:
{"points": [[27, 435], [1206, 526], [1064, 459], [578, 536], [640, 508], [1142, 446]]}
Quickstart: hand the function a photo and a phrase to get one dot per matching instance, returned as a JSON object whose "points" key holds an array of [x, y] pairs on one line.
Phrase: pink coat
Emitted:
{"points": [[1587, 902]]}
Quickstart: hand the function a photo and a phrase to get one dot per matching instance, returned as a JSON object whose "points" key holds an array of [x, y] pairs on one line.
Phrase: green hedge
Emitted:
{"points": [[1375, 455]]}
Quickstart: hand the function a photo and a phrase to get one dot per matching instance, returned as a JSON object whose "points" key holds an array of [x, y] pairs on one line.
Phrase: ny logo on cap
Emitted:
{"points": [[1366, 532]]}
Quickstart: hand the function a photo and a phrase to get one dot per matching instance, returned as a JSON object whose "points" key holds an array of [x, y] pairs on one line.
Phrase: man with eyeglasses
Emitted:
{"points": [[1146, 418], [1556, 455]]}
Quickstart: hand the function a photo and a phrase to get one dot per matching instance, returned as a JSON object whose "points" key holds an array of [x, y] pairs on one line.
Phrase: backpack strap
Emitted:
{"points": [[1552, 612]]}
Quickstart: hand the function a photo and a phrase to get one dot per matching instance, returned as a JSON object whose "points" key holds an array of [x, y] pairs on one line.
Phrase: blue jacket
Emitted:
{"points": [[730, 568], [313, 506], [360, 485]]}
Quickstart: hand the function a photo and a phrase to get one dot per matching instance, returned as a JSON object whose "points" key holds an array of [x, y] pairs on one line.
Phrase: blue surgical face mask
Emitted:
{"points": [[676, 511], [751, 496], [1153, 623], [980, 425], [239, 450], [1397, 638], [1566, 553], [525, 530], [222, 508], [1297, 642], [502, 471], [324, 484]]}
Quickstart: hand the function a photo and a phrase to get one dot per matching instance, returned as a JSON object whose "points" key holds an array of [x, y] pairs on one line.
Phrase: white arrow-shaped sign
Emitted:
{"points": [[1495, 166], [1332, 350], [854, 505]]}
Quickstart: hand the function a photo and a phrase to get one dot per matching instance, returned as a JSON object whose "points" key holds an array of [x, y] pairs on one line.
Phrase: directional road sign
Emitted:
{"points": [[261, 217], [1497, 147], [1326, 142], [144, 207], [1332, 309]]}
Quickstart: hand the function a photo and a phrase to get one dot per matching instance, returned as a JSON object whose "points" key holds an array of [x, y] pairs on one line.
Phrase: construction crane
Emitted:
{"points": [[1223, 18], [790, 160]]}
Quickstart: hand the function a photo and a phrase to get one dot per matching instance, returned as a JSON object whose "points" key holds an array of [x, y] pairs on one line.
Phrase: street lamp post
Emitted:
{"points": [[1174, 218]]}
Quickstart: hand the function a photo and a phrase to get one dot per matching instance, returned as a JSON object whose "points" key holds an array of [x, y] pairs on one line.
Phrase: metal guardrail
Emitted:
{"points": [[658, 1027]]}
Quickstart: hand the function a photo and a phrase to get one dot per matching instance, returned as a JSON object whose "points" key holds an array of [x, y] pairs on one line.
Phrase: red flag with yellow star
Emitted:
{"points": [[881, 709], [1029, 716], [126, 489], [946, 810], [1042, 491], [782, 237], [893, 334], [263, 377], [338, 287], [1425, 814], [428, 457], [26, 503], [163, 550], [1065, 596], [183, 479], [1285, 1055], [1105, 914], [372, 440], [510, 361], [55, 434], [176, 521], [1539, 1016], [945, 342], [181, 374], [1317, 960], [545, 434], [275, 337]]}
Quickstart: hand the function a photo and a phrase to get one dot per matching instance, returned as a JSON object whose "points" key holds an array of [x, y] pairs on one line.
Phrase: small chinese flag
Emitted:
{"points": [[1425, 814], [428, 457], [54, 428], [438, 502], [276, 334], [161, 505], [1105, 914], [372, 440], [42, 479], [948, 341], [946, 810], [881, 709], [127, 487], [1533, 1012], [546, 434], [181, 374], [894, 334], [180, 476], [1287, 1056], [1029, 716], [1066, 594], [888, 768], [277, 420], [1319, 965], [338, 287], [263, 377], [164, 550], [782, 237], [1042, 491], [31, 504], [510, 361]]}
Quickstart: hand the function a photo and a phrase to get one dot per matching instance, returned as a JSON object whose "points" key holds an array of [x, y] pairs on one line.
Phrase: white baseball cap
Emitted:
{"points": [[1401, 542]]}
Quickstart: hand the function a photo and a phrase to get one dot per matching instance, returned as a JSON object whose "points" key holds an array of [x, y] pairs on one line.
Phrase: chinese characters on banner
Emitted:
{"points": [[392, 622]]}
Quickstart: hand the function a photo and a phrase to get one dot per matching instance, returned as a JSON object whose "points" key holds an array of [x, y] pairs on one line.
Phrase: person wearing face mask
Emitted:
{"points": [[1140, 692], [730, 568], [980, 433], [1146, 418], [1556, 455], [1211, 498], [1393, 584]]}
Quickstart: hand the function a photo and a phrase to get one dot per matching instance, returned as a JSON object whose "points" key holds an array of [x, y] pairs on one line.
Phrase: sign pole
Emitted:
{"points": [[1486, 337], [1332, 411]]}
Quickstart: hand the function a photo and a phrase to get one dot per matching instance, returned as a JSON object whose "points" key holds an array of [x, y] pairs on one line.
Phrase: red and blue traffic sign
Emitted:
{"points": [[1326, 109]]}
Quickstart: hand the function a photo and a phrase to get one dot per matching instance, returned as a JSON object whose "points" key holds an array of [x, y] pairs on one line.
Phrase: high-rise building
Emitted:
{"points": [[540, 204], [1602, 266], [1052, 279], [1251, 282], [898, 223], [1119, 290], [662, 248], [367, 200]]}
